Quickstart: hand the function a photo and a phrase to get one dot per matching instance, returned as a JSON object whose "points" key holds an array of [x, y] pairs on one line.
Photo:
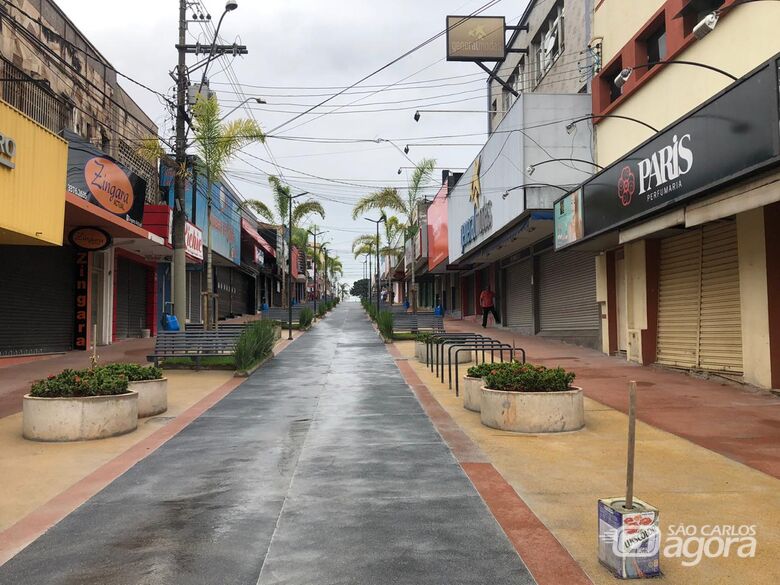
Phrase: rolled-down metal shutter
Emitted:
{"points": [[699, 315], [194, 298], [567, 291], [224, 290], [130, 298], [519, 295], [720, 338], [679, 290], [37, 288], [240, 301]]}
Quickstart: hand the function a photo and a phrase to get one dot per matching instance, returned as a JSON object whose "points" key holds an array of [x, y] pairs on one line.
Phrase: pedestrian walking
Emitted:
{"points": [[486, 301]]}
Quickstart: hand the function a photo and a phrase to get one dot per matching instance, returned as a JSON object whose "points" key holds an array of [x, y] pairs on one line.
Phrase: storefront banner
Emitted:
{"points": [[193, 240], [90, 239], [437, 229], [731, 135], [568, 219], [101, 180]]}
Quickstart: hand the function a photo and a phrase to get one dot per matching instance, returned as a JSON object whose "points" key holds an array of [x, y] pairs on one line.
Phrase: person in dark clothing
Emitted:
{"points": [[486, 301]]}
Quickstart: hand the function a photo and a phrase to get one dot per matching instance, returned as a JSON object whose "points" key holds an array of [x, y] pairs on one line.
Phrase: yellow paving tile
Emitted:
{"points": [[562, 476]]}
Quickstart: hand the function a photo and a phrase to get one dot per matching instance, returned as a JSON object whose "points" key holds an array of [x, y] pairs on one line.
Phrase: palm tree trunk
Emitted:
{"points": [[209, 317]]}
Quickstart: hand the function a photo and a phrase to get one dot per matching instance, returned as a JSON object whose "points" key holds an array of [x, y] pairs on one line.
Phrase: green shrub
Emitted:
{"points": [[481, 370], [135, 372], [72, 383], [321, 310], [256, 342], [306, 317], [517, 377], [385, 323]]}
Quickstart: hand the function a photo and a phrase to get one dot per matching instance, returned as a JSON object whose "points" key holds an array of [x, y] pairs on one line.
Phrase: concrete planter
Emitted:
{"points": [[532, 412], [152, 396], [79, 419], [472, 393], [419, 351], [464, 356]]}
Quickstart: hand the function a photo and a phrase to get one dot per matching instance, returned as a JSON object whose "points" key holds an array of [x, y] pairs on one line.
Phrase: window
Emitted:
{"points": [[656, 46], [548, 43], [695, 10]]}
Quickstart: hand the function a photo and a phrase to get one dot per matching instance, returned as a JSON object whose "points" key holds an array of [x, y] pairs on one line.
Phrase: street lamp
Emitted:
{"points": [[257, 100], [531, 168], [418, 112], [230, 6], [289, 265], [626, 73], [571, 126], [316, 294], [707, 24], [382, 218], [506, 193]]}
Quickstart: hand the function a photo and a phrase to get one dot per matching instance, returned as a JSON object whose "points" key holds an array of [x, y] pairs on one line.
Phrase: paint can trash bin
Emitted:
{"points": [[629, 538]]}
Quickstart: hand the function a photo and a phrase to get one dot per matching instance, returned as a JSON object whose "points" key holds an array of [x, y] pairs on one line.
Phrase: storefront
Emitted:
{"points": [[39, 273], [685, 224], [500, 224]]}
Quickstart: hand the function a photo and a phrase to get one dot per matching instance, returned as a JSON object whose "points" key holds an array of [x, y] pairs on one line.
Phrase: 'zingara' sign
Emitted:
{"points": [[731, 135]]}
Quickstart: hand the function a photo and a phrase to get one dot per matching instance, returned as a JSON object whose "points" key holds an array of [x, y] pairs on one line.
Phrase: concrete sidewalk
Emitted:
{"points": [[740, 423]]}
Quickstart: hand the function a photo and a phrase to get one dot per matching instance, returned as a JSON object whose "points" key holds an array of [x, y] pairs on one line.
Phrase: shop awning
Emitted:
{"points": [[81, 213], [247, 228]]}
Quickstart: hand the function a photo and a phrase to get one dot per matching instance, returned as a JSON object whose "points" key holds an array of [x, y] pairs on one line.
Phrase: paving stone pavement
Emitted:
{"points": [[322, 468]]}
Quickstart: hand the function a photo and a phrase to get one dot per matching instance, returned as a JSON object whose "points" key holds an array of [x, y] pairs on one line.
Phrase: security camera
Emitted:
{"points": [[706, 25]]}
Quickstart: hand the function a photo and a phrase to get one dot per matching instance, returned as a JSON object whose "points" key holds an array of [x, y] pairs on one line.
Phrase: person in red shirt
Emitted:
{"points": [[486, 301]]}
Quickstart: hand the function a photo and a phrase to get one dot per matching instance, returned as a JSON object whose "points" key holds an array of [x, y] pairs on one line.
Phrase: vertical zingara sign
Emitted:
{"points": [[82, 300]]}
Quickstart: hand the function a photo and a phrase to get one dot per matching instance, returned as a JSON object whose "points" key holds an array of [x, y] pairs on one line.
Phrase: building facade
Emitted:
{"points": [[685, 218]]}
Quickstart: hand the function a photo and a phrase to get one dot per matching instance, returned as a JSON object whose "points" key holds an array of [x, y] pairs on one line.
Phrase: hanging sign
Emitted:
{"points": [[99, 179], [90, 239], [476, 38], [193, 240]]}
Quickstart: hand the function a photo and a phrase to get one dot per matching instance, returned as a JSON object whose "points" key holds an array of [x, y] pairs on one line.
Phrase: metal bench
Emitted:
{"points": [[409, 323], [220, 326], [282, 315], [194, 344]]}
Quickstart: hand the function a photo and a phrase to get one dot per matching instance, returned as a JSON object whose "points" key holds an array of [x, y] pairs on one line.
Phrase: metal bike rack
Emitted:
{"points": [[498, 344], [438, 341], [493, 345]]}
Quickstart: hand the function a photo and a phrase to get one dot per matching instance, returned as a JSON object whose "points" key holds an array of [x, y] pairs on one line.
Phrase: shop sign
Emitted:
{"points": [[82, 300], [479, 223], [90, 239], [733, 134], [193, 240], [476, 38], [96, 177], [7, 151], [259, 256]]}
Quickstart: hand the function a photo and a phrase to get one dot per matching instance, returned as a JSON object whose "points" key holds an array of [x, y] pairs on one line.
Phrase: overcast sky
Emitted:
{"points": [[301, 51]]}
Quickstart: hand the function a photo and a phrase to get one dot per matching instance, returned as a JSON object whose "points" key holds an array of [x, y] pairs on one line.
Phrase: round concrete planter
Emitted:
{"points": [[419, 351], [532, 412], [79, 419], [152, 396], [464, 356], [472, 393]]}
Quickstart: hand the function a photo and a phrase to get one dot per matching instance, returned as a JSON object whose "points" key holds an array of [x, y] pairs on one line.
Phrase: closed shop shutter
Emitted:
{"points": [[37, 289], [240, 305], [224, 288], [194, 298], [720, 342], [567, 292], [699, 315], [130, 298], [519, 295]]}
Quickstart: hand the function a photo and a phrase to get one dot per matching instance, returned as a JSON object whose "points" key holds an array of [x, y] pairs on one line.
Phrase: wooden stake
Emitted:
{"points": [[631, 445]]}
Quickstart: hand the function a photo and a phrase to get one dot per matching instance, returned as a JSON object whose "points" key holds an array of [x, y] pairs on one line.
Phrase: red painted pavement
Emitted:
{"points": [[738, 422]]}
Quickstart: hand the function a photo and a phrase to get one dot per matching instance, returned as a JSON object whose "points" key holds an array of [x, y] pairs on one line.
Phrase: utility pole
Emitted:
{"points": [[179, 212], [316, 288]]}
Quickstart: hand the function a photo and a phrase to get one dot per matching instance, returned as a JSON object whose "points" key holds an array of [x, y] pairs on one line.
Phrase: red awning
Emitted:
{"points": [[252, 233]]}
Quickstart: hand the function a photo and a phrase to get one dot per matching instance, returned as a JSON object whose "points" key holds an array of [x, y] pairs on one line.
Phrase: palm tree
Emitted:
{"points": [[389, 198], [365, 244], [216, 142], [279, 215]]}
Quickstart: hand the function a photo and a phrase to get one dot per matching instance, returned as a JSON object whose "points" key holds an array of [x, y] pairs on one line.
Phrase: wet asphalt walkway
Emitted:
{"points": [[322, 468]]}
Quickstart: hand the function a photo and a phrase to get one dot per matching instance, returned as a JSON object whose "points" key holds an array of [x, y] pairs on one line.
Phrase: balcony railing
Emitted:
{"points": [[33, 98]]}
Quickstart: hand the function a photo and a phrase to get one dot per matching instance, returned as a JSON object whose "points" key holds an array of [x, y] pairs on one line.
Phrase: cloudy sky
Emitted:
{"points": [[300, 52]]}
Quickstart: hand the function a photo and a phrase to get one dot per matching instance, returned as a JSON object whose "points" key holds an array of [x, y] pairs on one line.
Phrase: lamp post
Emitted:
{"points": [[289, 265], [377, 222], [571, 125], [626, 73], [257, 100], [531, 168], [316, 294], [230, 5], [506, 193]]}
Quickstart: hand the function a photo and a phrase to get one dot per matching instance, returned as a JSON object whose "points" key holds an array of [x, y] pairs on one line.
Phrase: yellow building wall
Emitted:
{"points": [[754, 298], [636, 301], [743, 39], [602, 299], [617, 21], [32, 195]]}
